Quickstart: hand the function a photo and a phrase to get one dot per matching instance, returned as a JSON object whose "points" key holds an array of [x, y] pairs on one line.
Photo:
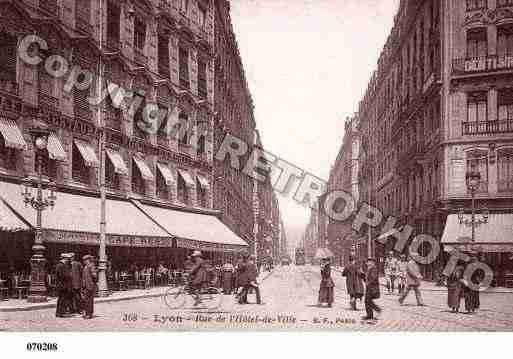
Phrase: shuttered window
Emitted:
{"points": [[83, 15], [202, 79], [477, 43], [183, 58], [163, 53]]}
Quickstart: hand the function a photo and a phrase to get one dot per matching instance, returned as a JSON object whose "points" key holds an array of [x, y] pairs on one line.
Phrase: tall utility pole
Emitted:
{"points": [[102, 255]]}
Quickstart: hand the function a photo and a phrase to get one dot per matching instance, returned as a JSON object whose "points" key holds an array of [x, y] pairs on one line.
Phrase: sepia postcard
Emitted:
{"points": [[255, 165]]}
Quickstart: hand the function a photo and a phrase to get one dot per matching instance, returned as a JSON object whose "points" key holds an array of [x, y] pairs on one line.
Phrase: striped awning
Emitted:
{"points": [[55, 150], [117, 161], [88, 154], [144, 169], [166, 173], [12, 134], [203, 182], [189, 182]]}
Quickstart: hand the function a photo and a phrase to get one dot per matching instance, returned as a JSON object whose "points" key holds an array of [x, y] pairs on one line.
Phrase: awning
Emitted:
{"points": [[494, 236], [195, 230], [203, 182], [144, 169], [189, 182], [55, 150], [12, 134], [117, 161], [88, 154], [166, 173], [9, 222], [76, 219]]}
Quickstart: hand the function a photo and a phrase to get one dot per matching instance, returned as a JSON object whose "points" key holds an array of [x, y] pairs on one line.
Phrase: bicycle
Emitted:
{"points": [[184, 297]]}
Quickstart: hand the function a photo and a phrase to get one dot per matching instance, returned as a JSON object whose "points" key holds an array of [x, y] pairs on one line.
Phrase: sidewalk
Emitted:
{"points": [[20, 305], [430, 286]]}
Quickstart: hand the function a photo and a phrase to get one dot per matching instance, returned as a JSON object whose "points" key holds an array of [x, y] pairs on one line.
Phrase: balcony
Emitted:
{"points": [[140, 57], [49, 6], [484, 64], [487, 127], [505, 185]]}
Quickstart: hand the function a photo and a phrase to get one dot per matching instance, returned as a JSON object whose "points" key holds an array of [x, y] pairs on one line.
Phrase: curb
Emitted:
{"points": [[96, 301]]}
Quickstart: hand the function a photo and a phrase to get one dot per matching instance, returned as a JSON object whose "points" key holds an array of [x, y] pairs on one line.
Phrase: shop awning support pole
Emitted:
{"points": [[103, 289]]}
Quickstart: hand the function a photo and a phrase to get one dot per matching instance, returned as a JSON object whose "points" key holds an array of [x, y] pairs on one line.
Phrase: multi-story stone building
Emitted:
{"points": [[159, 53], [233, 108], [437, 107], [342, 240]]}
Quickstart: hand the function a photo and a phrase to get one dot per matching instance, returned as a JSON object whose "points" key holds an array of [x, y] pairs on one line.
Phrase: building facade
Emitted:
{"points": [[158, 54], [233, 108], [342, 240], [436, 108]]}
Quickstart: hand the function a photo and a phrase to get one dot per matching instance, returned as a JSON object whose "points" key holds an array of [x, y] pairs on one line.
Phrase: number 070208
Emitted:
{"points": [[42, 347]]}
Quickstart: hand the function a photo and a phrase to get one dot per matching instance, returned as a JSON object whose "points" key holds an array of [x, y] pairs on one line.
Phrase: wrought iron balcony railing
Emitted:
{"points": [[490, 63], [487, 127]]}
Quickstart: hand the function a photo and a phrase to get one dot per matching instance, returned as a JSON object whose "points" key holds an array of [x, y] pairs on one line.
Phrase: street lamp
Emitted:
{"points": [[473, 180], [41, 201]]}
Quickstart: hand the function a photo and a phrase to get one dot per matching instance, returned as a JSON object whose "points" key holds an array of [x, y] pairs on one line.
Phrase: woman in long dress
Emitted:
{"points": [[472, 302], [327, 285], [454, 289]]}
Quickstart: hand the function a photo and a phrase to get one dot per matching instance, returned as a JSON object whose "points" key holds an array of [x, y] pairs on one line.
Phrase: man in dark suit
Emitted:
{"points": [[62, 283], [371, 289], [89, 278], [76, 284], [252, 276], [243, 279]]}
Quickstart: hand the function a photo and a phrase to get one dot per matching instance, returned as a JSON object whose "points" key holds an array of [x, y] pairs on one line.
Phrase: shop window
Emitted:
{"points": [[505, 170], [477, 43], [7, 156], [138, 185], [183, 59], [182, 191], [79, 171], [111, 177], [478, 161]]}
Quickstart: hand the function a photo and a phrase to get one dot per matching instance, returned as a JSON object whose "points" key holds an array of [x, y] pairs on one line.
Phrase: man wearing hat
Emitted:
{"points": [[243, 279], [89, 279], [413, 280], [198, 275], [371, 289], [62, 285], [76, 284], [250, 276]]}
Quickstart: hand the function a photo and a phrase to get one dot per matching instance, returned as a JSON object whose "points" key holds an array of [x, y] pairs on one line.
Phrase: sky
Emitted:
{"points": [[308, 63]]}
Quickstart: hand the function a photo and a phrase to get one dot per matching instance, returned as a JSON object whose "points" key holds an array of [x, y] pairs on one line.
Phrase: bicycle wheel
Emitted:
{"points": [[211, 298], [175, 298]]}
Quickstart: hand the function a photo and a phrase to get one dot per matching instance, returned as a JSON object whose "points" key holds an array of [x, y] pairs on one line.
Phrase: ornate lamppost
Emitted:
{"points": [[473, 179], [41, 201]]}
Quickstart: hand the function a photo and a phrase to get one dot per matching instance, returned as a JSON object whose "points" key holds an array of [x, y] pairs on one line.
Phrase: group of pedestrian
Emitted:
{"points": [[76, 285], [359, 284], [459, 288], [240, 279]]}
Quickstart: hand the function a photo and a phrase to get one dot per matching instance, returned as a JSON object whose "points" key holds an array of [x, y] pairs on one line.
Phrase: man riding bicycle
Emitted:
{"points": [[198, 277]]}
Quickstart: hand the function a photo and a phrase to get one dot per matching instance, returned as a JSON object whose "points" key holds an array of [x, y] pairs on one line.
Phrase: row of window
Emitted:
{"points": [[81, 173], [473, 5], [477, 120], [477, 41]]}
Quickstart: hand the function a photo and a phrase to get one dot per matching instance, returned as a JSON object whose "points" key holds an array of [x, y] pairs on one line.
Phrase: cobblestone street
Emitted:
{"points": [[290, 295]]}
